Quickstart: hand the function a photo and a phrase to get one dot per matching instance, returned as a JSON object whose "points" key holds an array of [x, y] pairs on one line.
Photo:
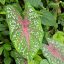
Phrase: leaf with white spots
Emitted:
{"points": [[18, 58], [54, 52], [26, 34], [44, 61]]}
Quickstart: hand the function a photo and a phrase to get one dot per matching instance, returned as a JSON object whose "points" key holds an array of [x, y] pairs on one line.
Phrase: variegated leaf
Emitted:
{"points": [[26, 34], [54, 52]]}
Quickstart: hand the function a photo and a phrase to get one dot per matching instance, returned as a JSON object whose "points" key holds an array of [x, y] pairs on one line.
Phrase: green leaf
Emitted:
{"points": [[13, 0], [7, 60], [44, 61], [26, 47], [6, 53], [7, 46], [17, 6], [1, 50], [53, 5], [15, 54], [2, 27], [2, 12], [18, 58], [61, 19], [47, 18], [59, 36], [5, 32], [37, 59], [2, 2], [62, 3], [20, 61], [35, 3], [1, 18]]}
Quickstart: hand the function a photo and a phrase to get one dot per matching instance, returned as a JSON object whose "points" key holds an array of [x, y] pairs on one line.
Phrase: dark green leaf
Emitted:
{"points": [[5, 32], [47, 18], [1, 50], [7, 46], [1, 18], [6, 53], [53, 5], [7, 60], [62, 3], [2, 27], [61, 19]]}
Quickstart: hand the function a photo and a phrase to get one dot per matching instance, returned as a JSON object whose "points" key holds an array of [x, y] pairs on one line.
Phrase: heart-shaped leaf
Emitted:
{"points": [[26, 34]]}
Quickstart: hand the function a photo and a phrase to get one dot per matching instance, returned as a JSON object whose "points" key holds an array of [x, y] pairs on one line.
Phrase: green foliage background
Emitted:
{"points": [[51, 13]]}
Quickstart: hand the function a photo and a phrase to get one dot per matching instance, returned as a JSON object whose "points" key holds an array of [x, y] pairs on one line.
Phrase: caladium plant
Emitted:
{"points": [[26, 34], [54, 52]]}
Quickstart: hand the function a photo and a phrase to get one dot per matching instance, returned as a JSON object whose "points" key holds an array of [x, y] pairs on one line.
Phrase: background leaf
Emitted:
{"points": [[7, 60], [47, 18], [61, 19], [2, 27], [2, 2], [1, 50], [7, 46], [59, 36], [35, 3]]}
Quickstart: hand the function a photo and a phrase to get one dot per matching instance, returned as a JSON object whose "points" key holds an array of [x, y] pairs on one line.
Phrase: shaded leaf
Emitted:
{"points": [[62, 3], [7, 60], [5, 32], [7, 46], [6, 53], [2, 27], [1, 50], [47, 18], [1, 18], [53, 5], [61, 19], [2, 2]]}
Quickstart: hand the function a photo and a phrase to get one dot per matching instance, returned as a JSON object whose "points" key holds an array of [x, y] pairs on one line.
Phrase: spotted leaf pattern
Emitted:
{"points": [[44, 61], [54, 52], [26, 34]]}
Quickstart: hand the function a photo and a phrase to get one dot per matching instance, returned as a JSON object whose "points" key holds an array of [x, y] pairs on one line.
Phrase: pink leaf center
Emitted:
{"points": [[54, 51], [25, 23]]}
